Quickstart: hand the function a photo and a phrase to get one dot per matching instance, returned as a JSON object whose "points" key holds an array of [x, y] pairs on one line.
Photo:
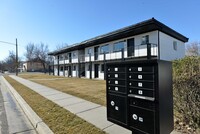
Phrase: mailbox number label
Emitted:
{"points": [[116, 75], [116, 82], [116, 88], [139, 84], [139, 76], [140, 92], [116, 69], [139, 69]]}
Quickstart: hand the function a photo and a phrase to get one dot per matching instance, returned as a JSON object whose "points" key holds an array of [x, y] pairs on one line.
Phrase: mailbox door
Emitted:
{"points": [[117, 89], [142, 120], [117, 108]]}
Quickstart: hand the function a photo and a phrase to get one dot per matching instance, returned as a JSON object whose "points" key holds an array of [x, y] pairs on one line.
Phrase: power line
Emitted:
{"points": [[7, 43]]}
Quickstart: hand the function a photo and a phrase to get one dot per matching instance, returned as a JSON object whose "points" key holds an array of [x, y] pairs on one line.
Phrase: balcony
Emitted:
{"points": [[146, 50]]}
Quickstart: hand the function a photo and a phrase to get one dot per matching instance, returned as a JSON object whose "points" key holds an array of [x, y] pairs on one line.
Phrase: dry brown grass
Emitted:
{"points": [[57, 118], [91, 90]]}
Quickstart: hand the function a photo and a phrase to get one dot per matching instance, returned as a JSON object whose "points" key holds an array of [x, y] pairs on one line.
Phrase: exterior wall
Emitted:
{"points": [[167, 51], [140, 50]]}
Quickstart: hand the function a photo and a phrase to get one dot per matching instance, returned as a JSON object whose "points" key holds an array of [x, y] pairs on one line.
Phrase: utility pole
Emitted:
{"points": [[16, 58]]}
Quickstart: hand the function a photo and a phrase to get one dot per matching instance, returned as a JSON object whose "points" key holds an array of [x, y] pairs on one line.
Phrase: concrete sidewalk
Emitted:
{"points": [[91, 112]]}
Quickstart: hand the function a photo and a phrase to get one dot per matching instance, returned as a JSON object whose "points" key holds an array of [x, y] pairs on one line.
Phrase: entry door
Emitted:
{"points": [[96, 70], [131, 47], [70, 57], [70, 70], [96, 52]]}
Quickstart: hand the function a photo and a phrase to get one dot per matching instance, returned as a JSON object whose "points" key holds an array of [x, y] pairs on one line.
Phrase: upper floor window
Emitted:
{"points": [[61, 57], [104, 49], [74, 54], [175, 45], [118, 46], [145, 39], [66, 56], [89, 50]]}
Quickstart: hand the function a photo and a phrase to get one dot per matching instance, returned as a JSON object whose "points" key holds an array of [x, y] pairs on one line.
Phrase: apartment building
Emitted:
{"points": [[148, 39]]}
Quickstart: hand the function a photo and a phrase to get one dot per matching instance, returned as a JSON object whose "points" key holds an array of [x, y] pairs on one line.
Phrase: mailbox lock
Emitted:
{"points": [[116, 69], [116, 108], [140, 119], [112, 103], [134, 116], [108, 75], [130, 76], [116, 88], [116, 75]]}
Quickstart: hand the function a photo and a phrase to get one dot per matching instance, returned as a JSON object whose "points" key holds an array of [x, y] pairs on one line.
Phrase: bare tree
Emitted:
{"points": [[193, 49], [60, 46], [10, 62], [30, 48], [37, 52], [41, 53]]}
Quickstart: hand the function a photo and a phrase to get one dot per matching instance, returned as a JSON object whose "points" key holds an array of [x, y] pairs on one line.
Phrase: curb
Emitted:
{"points": [[36, 121]]}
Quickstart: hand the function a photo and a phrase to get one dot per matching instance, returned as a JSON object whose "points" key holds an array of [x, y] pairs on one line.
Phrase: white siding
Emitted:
{"points": [[167, 51]]}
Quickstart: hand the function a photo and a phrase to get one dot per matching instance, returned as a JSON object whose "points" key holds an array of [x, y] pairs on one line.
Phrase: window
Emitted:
{"points": [[145, 40], [175, 45], [118, 46], [89, 50], [74, 68], [89, 67], [65, 68], [104, 49], [61, 68], [102, 67], [61, 57], [74, 54], [66, 56]]}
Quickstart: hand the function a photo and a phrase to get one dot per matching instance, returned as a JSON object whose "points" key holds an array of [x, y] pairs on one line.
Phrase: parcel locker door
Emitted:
{"points": [[117, 108], [142, 120]]}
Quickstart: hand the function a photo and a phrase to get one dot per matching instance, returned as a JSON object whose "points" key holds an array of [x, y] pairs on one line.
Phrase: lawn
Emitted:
{"points": [[91, 90], [57, 118]]}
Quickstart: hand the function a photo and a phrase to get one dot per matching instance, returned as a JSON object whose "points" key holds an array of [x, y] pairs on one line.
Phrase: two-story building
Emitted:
{"points": [[147, 39]]}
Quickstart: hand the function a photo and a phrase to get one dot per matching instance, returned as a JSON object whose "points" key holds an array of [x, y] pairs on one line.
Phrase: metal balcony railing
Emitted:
{"points": [[145, 50]]}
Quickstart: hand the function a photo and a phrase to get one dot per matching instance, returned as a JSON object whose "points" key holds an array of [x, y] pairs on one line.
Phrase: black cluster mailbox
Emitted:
{"points": [[139, 95]]}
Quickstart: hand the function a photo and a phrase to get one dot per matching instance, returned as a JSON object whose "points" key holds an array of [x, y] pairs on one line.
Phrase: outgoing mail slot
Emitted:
{"points": [[116, 108], [116, 69], [116, 82], [142, 120], [141, 92], [119, 89], [149, 69], [142, 103], [136, 76], [141, 84], [116, 75]]}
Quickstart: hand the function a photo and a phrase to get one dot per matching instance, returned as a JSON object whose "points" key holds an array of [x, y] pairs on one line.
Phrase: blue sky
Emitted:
{"points": [[55, 22]]}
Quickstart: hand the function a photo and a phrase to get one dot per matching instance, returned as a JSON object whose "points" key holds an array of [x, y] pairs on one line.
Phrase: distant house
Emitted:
{"points": [[147, 39], [34, 65]]}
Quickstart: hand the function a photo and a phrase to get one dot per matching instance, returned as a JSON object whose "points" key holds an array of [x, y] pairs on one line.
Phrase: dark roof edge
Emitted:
{"points": [[160, 26], [170, 31]]}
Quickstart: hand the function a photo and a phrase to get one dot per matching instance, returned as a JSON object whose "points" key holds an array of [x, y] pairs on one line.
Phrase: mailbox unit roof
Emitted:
{"points": [[139, 28]]}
